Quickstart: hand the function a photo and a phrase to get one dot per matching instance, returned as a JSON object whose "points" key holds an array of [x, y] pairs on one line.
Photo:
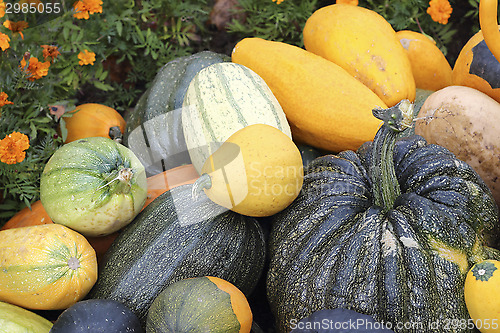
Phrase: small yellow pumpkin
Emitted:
{"points": [[431, 69], [257, 171], [482, 295], [363, 43]]}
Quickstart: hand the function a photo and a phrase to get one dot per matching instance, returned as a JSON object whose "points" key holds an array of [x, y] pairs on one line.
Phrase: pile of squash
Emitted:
{"points": [[352, 180]]}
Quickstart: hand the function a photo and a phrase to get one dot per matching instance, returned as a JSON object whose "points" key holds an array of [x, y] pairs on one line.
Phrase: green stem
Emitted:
{"points": [[385, 186], [203, 182]]}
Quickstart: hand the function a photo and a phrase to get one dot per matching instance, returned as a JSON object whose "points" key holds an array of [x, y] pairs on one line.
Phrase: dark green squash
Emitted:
{"points": [[97, 315], [154, 128], [174, 238], [339, 321], [389, 231], [202, 304]]}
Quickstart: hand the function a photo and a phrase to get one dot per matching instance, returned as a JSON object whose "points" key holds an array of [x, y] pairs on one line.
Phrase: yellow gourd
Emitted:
{"points": [[45, 267], [325, 106], [363, 43], [482, 295], [431, 69], [257, 172]]}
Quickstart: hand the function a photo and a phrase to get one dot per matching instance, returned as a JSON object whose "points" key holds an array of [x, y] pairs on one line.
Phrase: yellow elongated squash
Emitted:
{"points": [[363, 43], [325, 106], [45, 267]]}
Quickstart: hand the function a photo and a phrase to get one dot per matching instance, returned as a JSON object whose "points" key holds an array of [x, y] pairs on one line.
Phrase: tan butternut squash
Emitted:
{"points": [[325, 106], [363, 43]]}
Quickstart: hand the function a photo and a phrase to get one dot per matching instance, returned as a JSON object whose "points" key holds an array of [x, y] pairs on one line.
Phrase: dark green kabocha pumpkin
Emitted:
{"points": [[389, 231], [154, 128], [97, 316], [176, 237]]}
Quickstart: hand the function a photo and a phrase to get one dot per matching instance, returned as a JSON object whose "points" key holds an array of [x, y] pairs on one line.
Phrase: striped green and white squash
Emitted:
{"points": [[222, 99]]}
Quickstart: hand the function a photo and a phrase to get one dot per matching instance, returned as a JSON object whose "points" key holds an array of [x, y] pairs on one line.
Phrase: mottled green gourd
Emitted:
{"points": [[176, 237], [389, 231]]}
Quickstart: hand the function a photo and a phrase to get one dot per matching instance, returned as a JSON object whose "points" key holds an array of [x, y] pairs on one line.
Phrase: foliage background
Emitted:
{"points": [[132, 39]]}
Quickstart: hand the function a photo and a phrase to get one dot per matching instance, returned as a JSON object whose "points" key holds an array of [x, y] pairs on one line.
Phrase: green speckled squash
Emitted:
{"points": [[15, 319], [154, 129], [222, 99], [95, 186], [202, 304], [176, 237], [390, 231]]}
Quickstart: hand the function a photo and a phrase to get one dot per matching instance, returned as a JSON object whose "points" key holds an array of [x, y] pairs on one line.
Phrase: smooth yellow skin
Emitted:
{"points": [[363, 43], [431, 69], [483, 300], [489, 25], [45, 267], [325, 106], [256, 172]]}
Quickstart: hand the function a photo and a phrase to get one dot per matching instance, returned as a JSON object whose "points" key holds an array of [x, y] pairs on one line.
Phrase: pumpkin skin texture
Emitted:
{"points": [[95, 186], [15, 319], [378, 230], [256, 172], [482, 287], [431, 70], [330, 94], [372, 55], [176, 237], [45, 267], [467, 122], [154, 128], [340, 321], [476, 67], [92, 119], [203, 304], [97, 315]]}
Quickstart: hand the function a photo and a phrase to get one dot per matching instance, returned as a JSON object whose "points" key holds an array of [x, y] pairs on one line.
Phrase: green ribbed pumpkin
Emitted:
{"points": [[95, 186], [154, 129], [176, 237], [389, 231]]}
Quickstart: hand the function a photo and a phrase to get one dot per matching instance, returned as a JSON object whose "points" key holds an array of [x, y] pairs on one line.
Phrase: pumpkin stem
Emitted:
{"points": [[203, 182], [385, 185], [115, 134]]}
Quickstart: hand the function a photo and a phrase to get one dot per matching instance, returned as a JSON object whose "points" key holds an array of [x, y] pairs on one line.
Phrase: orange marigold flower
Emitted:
{"points": [[85, 7], [16, 27], [439, 10], [86, 58], [12, 148], [2, 8], [278, 1], [50, 51], [35, 69], [3, 99], [4, 41], [348, 2]]}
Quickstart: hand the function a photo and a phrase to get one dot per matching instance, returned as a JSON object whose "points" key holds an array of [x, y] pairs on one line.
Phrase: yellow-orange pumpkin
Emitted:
{"points": [[92, 119]]}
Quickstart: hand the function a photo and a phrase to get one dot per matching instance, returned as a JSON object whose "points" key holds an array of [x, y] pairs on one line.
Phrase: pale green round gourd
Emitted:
{"points": [[95, 186]]}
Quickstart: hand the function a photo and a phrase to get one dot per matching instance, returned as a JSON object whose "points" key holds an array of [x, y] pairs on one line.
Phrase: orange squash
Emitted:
{"points": [[92, 119], [164, 181], [431, 69]]}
